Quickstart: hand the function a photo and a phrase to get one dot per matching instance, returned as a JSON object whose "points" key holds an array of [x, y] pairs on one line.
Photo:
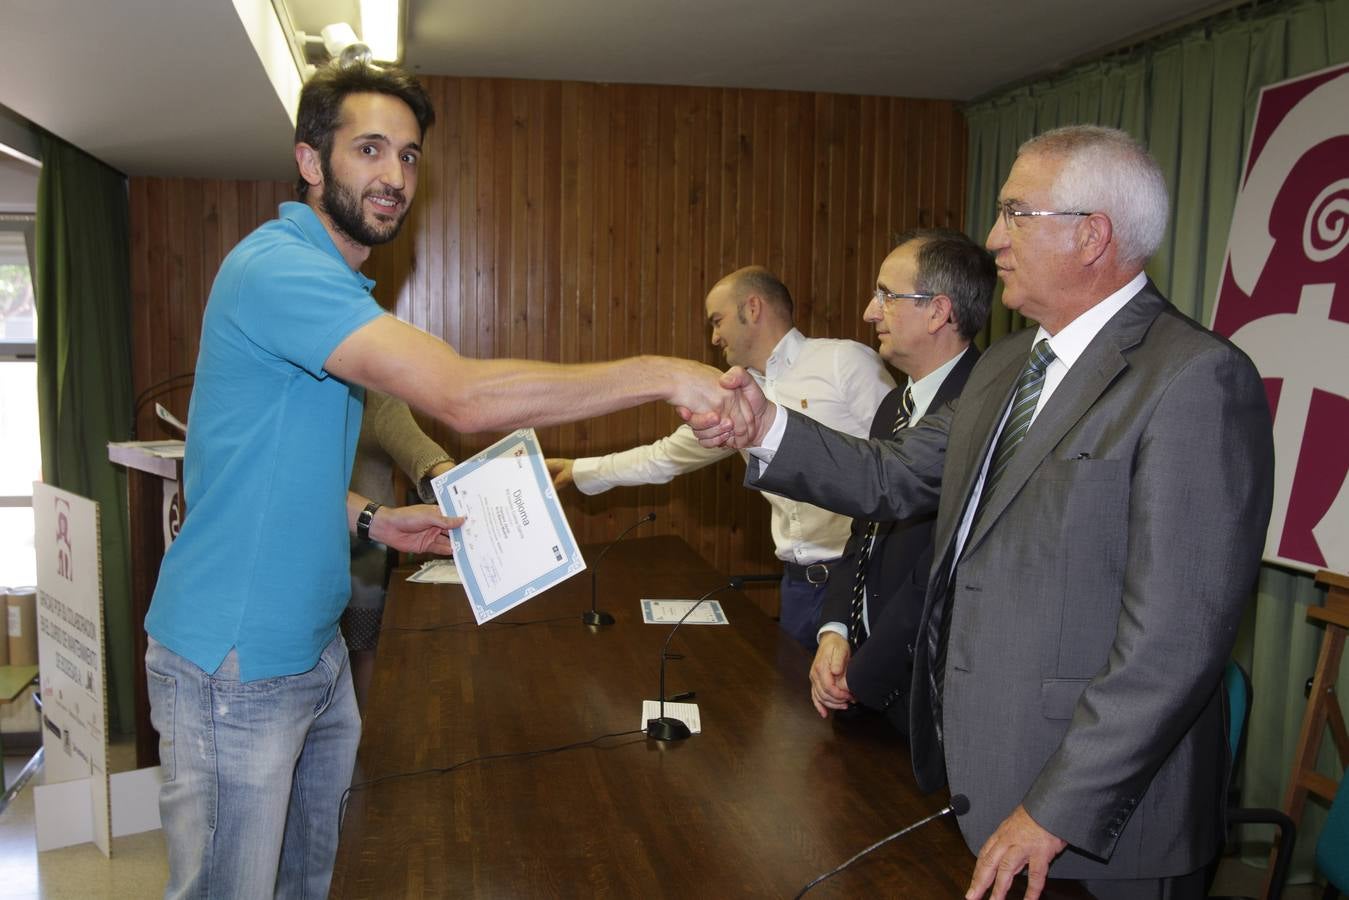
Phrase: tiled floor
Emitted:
{"points": [[137, 868]]}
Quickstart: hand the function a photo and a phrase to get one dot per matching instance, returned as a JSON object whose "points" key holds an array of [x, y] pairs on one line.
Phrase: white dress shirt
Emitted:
{"points": [[837, 383]]}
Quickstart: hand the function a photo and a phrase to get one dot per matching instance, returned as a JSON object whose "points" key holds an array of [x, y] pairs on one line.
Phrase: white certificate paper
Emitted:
{"points": [[516, 542], [669, 612]]}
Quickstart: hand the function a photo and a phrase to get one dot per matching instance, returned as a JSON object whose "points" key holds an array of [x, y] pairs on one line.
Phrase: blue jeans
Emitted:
{"points": [[253, 774]]}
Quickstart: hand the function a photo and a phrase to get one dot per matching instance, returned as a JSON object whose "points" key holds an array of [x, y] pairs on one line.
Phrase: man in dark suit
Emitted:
{"points": [[1104, 486], [932, 296]]}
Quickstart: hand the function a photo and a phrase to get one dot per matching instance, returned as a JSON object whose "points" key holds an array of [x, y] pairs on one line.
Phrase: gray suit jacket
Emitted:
{"points": [[1097, 598]]}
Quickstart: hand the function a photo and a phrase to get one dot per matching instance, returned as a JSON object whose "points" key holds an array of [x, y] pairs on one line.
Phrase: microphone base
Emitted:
{"points": [[596, 617], [667, 729]]}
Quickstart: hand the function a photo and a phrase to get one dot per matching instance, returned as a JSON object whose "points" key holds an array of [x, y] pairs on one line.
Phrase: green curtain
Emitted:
{"points": [[83, 285], [1190, 97]]}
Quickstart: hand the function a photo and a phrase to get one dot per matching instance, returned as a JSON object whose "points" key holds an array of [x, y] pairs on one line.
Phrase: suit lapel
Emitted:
{"points": [[988, 400], [1098, 366]]}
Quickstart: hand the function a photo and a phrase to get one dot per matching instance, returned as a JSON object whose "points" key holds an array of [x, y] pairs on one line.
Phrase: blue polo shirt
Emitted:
{"points": [[261, 563]]}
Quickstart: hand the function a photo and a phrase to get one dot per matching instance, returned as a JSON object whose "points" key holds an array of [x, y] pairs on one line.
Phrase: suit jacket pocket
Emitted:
{"points": [[1058, 696], [1083, 469]]}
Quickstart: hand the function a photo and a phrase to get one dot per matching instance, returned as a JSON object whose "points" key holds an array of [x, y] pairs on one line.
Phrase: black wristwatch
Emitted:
{"points": [[365, 518]]}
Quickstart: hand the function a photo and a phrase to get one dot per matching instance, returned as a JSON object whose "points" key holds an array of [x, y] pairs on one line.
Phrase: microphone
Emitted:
{"points": [[739, 581], [594, 616], [665, 728], [960, 804]]}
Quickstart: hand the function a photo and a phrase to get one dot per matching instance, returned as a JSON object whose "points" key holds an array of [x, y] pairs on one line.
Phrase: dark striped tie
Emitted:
{"points": [[859, 582], [1028, 388]]}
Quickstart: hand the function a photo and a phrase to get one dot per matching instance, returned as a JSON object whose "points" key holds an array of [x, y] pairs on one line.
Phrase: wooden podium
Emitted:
{"points": [[1323, 707], [150, 468]]}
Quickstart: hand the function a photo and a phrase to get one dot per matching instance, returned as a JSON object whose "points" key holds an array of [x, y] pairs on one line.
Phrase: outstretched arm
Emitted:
{"points": [[497, 394]]}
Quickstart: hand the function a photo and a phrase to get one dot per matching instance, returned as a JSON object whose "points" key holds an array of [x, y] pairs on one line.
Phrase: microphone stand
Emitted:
{"points": [[666, 728], [959, 805], [594, 616]]}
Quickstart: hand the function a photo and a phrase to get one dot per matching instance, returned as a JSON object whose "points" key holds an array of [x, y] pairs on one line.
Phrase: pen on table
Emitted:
{"points": [[679, 698]]}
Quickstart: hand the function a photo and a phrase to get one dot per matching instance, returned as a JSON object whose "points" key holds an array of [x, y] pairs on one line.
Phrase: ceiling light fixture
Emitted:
{"points": [[380, 22], [342, 44]]}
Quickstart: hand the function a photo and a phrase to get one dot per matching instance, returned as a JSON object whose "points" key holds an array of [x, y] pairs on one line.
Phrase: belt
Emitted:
{"points": [[815, 573]]}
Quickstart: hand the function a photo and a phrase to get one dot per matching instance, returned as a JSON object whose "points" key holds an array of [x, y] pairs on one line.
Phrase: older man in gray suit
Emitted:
{"points": [[1105, 485]]}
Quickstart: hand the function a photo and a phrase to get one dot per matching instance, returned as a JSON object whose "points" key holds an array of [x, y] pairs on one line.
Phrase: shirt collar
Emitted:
{"points": [[785, 353], [924, 390], [1073, 339], [304, 218]]}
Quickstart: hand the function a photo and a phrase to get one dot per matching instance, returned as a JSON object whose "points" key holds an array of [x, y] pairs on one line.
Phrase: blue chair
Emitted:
{"points": [[1332, 849], [1238, 686]]}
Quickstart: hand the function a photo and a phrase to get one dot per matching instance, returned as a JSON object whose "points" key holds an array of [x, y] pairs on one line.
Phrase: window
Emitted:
{"points": [[20, 451]]}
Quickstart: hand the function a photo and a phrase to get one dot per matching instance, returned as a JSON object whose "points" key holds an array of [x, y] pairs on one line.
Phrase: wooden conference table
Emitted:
{"points": [[767, 797]]}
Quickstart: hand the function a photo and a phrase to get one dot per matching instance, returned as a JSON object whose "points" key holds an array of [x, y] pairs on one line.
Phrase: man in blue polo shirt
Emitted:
{"points": [[249, 685]]}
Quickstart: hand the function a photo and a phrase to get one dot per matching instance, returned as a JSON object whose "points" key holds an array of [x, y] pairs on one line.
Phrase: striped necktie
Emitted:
{"points": [[859, 582], [1028, 387]]}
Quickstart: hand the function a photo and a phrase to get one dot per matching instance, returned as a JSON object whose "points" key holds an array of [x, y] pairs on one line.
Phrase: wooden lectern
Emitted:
{"points": [[148, 472]]}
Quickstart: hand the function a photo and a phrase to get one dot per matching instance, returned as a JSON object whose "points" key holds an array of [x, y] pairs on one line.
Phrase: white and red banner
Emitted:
{"points": [[1284, 300]]}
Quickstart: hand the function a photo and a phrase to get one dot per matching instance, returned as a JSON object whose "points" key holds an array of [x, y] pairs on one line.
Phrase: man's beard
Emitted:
{"points": [[343, 207]]}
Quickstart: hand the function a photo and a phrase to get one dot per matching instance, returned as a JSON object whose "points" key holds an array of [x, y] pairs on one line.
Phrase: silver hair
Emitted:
{"points": [[1105, 170]]}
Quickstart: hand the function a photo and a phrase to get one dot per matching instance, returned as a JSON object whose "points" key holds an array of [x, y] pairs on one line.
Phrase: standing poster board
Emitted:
{"points": [[1284, 299], [71, 649]]}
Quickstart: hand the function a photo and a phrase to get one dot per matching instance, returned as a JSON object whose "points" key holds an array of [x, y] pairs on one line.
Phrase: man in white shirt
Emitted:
{"points": [[838, 383], [1104, 486]]}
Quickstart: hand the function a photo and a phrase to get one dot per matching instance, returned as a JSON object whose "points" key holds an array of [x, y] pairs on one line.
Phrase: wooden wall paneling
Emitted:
{"points": [[569, 201], [157, 338], [550, 203], [887, 226], [675, 266], [821, 208], [744, 175], [845, 286], [207, 262], [599, 190], [442, 253], [143, 372], [801, 157], [758, 126], [632, 312], [775, 199], [174, 336], [865, 261]]}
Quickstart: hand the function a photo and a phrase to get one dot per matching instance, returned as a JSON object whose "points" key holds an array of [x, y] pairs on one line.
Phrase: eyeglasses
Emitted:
{"points": [[882, 296], [1010, 213]]}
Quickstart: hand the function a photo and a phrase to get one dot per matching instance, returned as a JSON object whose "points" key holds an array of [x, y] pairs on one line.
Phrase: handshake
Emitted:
{"points": [[729, 410]]}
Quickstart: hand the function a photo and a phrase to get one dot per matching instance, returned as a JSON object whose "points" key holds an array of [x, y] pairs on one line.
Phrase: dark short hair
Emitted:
{"points": [[950, 263], [758, 280], [321, 99]]}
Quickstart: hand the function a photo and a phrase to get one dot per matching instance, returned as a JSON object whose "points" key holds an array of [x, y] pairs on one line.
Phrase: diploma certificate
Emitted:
{"points": [[516, 541]]}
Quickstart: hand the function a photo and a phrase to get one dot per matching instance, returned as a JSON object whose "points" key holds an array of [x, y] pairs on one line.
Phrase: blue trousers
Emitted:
{"points": [[799, 613]]}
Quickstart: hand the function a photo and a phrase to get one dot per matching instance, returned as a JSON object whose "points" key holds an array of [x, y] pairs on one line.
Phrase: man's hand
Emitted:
{"points": [[560, 469], [828, 674], [696, 391], [414, 529], [754, 409], [1019, 843]]}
